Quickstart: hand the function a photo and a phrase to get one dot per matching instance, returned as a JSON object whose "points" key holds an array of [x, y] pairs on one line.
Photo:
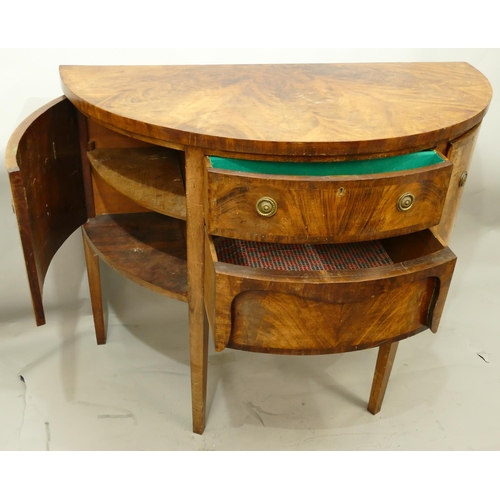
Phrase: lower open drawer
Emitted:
{"points": [[393, 289]]}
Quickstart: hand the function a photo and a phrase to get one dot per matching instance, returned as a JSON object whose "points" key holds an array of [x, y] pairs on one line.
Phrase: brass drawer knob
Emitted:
{"points": [[266, 207], [405, 202]]}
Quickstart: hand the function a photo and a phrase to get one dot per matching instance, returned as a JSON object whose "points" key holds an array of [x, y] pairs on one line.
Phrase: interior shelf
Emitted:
{"points": [[148, 248], [149, 176]]}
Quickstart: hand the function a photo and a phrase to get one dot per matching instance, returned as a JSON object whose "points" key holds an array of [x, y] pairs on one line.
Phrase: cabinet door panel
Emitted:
{"points": [[460, 153], [44, 166]]}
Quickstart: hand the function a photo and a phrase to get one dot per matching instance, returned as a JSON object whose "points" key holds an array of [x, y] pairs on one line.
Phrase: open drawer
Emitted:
{"points": [[332, 202], [395, 288]]}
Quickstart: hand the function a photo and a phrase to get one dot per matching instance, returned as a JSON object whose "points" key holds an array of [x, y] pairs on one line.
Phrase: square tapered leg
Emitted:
{"points": [[385, 360]]}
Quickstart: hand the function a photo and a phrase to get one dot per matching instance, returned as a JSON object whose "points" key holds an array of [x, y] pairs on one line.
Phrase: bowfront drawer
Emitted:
{"points": [[314, 299], [368, 204]]}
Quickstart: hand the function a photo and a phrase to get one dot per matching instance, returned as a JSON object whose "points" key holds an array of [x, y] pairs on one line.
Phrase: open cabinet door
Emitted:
{"points": [[45, 172]]}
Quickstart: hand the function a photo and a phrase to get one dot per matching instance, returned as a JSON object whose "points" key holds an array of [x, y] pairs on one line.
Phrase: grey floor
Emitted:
{"points": [[60, 391]]}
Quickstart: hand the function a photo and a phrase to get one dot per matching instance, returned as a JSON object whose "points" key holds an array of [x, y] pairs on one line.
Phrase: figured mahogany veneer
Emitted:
{"points": [[148, 248], [325, 209], [318, 312], [43, 162], [284, 109], [150, 176], [126, 157]]}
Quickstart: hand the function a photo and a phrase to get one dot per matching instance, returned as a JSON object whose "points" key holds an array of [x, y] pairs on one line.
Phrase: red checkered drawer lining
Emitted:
{"points": [[279, 257]]}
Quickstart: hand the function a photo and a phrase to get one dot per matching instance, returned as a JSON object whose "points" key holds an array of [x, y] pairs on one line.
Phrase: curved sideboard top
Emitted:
{"points": [[285, 109]]}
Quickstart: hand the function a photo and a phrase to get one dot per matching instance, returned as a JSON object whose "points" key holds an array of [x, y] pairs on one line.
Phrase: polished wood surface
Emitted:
{"points": [[108, 200], [460, 154], [299, 109], [325, 209], [383, 368], [149, 176], [148, 248], [198, 325], [86, 169], [42, 156], [101, 137], [95, 289], [318, 312]]}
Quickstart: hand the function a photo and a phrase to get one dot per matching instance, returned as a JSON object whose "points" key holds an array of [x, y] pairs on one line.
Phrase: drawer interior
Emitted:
{"points": [[324, 257], [356, 167], [294, 257]]}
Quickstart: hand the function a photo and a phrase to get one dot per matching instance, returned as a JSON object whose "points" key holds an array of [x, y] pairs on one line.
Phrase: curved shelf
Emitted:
{"points": [[148, 248], [149, 176]]}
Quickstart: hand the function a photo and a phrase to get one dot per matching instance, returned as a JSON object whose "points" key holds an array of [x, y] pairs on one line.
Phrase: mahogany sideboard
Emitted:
{"points": [[298, 209]]}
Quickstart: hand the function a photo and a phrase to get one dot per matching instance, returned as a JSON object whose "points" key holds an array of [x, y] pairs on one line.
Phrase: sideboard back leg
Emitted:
{"points": [[385, 360], [94, 275]]}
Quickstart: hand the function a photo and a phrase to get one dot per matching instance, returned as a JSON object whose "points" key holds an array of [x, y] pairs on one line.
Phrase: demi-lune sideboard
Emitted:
{"points": [[298, 209]]}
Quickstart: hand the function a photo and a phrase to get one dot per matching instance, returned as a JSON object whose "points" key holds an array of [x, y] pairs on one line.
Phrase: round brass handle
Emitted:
{"points": [[266, 206], [405, 202]]}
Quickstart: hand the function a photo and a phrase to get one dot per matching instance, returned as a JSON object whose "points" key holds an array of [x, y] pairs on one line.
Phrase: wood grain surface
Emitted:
{"points": [[44, 165], [108, 200], [150, 177], [383, 368], [325, 209], [198, 325], [319, 312], [148, 248], [95, 289], [460, 152], [295, 109]]}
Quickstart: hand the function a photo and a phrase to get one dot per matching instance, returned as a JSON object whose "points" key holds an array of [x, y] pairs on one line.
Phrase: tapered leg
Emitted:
{"points": [[94, 275], [385, 360], [199, 364], [198, 325]]}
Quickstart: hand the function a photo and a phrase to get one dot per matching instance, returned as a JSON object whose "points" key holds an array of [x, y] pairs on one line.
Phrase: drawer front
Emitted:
{"points": [[324, 312], [325, 209]]}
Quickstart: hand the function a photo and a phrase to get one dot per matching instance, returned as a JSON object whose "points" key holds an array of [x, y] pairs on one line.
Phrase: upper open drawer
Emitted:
{"points": [[326, 202]]}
